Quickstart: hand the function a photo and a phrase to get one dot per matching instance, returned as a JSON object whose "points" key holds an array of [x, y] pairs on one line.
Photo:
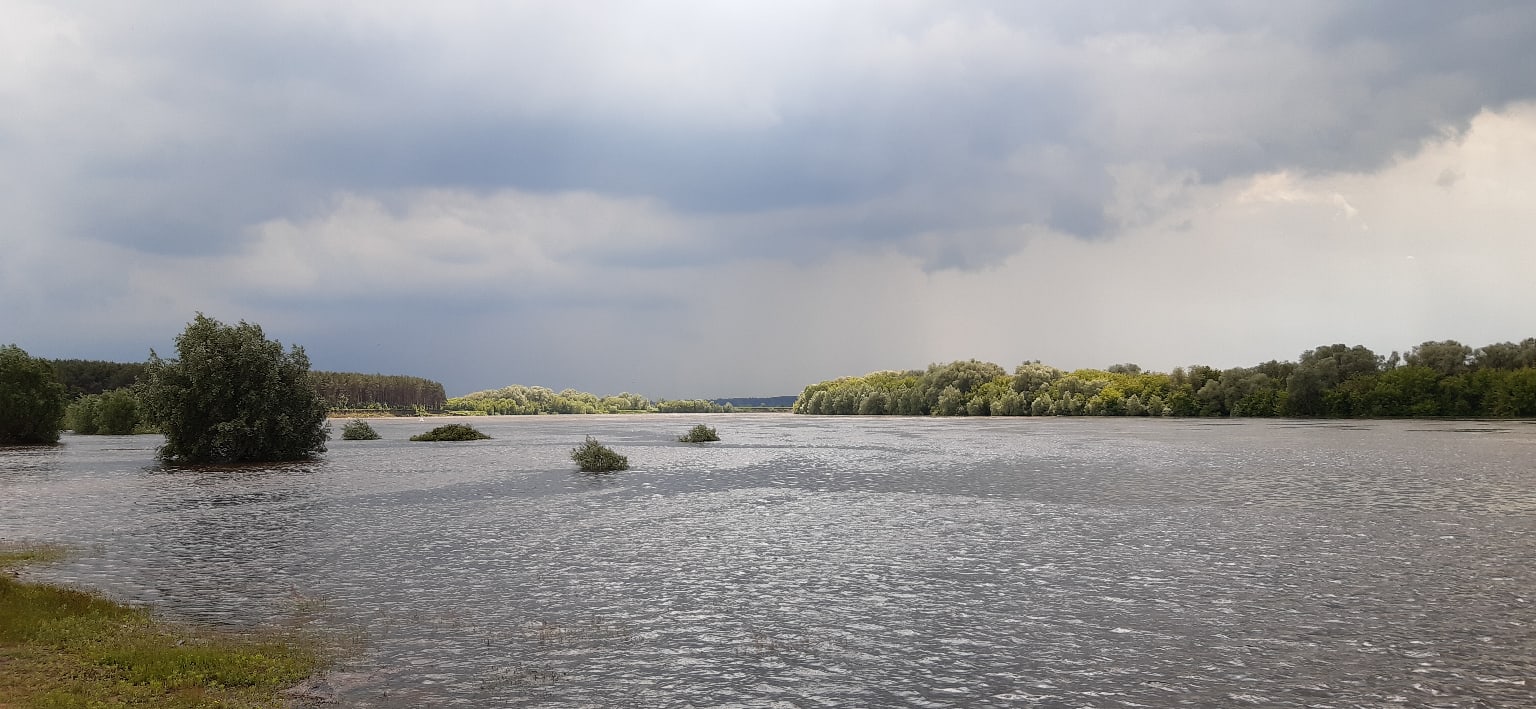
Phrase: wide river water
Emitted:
{"points": [[847, 562]]}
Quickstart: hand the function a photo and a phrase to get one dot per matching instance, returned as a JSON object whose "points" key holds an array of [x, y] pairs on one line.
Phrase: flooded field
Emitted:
{"points": [[808, 561]]}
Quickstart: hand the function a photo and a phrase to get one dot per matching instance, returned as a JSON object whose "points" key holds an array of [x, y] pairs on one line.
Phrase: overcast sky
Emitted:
{"points": [[732, 199]]}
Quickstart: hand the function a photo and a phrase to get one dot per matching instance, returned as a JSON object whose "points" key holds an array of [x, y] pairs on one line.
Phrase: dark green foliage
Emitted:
{"points": [[32, 401], [358, 430], [451, 432], [232, 396], [90, 376], [351, 390], [594, 457], [700, 434]]}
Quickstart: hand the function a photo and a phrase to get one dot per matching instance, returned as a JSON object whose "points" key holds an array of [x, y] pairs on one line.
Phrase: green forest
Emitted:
{"points": [[526, 400], [351, 390], [1444, 378]]}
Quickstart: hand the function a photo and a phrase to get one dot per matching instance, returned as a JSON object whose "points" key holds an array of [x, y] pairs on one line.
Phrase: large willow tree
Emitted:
{"points": [[31, 399], [233, 396]]}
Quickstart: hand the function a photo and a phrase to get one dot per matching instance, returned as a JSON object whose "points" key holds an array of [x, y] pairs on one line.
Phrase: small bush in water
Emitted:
{"points": [[358, 430], [700, 434], [451, 432], [594, 457]]}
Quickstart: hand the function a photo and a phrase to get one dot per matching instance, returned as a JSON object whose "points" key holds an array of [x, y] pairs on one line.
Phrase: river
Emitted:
{"points": [[841, 562]]}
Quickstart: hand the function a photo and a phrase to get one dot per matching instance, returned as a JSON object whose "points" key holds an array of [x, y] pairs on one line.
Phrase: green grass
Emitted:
{"points": [[451, 432], [62, 647]]}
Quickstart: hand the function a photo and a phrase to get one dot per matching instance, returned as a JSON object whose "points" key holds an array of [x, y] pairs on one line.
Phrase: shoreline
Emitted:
{"points": [[70, 646]]}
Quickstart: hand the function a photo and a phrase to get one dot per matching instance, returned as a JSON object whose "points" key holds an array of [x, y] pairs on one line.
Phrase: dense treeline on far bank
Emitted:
{"points": [[1339, 381], [341, 390], [527, 400], [352, 390]]}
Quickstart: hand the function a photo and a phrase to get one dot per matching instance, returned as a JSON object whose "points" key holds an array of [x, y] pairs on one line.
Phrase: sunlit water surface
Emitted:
{"points": [[844, 562]]}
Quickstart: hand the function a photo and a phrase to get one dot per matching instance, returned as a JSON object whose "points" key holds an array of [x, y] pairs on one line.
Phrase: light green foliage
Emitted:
{"points": [[358, 430], [524, 400], [1435, 379], [83, 416], [118, 414], [594, 457], [689, 406], [963, 377], [1445, 358], [31, 399], [874, 394], [1506, 355], [700, 434], [232, 396], [114, 413], [451, 432]]}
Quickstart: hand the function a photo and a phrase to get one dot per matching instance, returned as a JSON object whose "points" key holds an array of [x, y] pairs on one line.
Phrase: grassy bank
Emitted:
{"points": [[61, 647]]}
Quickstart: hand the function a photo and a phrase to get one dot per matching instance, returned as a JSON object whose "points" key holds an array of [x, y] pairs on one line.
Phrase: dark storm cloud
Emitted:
{"points": [[488, 172], [265, 109]]}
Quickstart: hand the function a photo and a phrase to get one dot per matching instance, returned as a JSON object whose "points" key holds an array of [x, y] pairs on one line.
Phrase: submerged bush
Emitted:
{"points": [[358, 430], [700, 434], [594, 457], [451, 432]]}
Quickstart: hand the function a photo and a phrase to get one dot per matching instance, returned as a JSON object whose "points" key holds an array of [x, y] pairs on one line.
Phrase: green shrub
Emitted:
{"points": [[114, 413], [84, 415], [451, 432], [233, 396], [118, 414], [358, 430], [594, 457], [700, 434], [31, 399]]}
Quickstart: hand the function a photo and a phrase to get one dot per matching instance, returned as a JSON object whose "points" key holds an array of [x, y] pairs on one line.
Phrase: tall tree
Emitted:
{"points": [[233, 396], [31, 399]]}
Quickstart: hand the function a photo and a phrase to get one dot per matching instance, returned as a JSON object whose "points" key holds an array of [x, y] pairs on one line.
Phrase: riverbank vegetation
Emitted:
{"points": [[112, 413], [1444, 378], [700, 434], [452, 432], [341, 390], [594, 457], [382, 392], [62, 647], [530, 400]]}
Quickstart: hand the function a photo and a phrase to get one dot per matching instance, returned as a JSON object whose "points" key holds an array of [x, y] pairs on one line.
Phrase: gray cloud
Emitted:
{"points": [[949, 137]]}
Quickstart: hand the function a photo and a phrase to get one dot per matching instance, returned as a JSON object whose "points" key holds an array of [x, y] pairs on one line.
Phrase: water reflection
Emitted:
{"points": [[846, 562]]}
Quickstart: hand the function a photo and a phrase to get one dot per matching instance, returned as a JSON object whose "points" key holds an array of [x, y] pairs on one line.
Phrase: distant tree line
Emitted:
{"points": [[351, 390], [1444, 378], [341, 390], [528, 400], [92, 376]]}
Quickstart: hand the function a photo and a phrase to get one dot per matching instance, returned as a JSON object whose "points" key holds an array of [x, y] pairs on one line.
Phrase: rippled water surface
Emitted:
{"points": [[843, 561]]}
